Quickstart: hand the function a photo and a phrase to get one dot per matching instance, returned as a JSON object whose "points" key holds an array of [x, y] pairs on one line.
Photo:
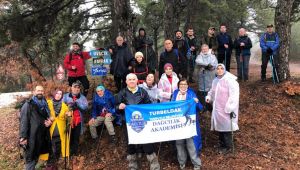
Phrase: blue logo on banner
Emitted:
{"points": [[99, 71], [137, 122]]}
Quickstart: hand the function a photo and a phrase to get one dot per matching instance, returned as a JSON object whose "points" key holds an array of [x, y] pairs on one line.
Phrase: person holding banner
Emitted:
{"points": [[193, 144], [103, 112], [139, 67], [167, 83], [225, 97], [151, 87], [133, 95]]}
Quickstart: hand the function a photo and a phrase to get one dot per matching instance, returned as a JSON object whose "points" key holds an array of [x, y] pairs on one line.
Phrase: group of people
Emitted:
{"points": [[54, 125]]}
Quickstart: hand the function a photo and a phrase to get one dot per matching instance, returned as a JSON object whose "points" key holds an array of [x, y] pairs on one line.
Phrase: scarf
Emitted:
{"points": [[57, 106], [42, 104]]}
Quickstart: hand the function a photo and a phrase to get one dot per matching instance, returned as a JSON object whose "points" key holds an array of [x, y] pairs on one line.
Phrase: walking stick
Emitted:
{"points": [[225, 57], [274, 71], [98, 146], [232, 115], [69, 134], [205, 107]]}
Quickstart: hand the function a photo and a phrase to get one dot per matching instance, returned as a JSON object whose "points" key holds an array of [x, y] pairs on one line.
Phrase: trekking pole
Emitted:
{"points": [[205, 106], [225, 57], [69, 134], [232, 115], [274, 68], [98, 146], [271, 62], [158, 150]]}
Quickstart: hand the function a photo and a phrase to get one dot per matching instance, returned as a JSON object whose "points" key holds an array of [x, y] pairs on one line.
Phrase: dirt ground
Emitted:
{"points": [[268, 138]]}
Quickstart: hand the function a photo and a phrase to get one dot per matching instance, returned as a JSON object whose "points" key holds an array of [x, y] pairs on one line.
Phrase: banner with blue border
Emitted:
{"points": [[150, 123]]}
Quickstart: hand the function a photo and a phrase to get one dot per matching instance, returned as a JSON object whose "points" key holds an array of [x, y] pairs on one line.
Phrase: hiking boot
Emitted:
{"points": [[153, 160], [182, 167], [132, 162]]}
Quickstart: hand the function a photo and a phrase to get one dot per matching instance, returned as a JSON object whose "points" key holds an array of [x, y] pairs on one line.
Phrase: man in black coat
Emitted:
{"points": [[225, 47], [122, 59], [133, 94], [172, 56], [183, 47], [34, 128], [144, 44]]}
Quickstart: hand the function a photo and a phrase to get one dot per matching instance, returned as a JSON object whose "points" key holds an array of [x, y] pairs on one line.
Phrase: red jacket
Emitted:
{"points": [[78, 61]]}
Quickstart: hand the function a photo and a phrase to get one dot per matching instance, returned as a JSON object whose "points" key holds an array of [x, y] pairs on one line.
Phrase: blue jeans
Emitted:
{"points": [[243, 67]]}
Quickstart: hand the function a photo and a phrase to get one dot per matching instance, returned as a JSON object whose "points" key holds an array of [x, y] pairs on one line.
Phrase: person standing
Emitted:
{"points": [[139, 67], [77, 104], [207, 63], [103, 112], [193, 48], [242, 46], [122, 60], [172, 56], [59, 112], [269, 44], [224, 47], [181, 45], [211, 40], [224, 95], [74, 62], [34, 128], [191, 145], [144, 44], [132, 95], [167, 83]]}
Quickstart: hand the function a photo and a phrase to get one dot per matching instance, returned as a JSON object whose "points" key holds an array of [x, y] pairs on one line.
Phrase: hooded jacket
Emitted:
{"points": [[206, 76], [166, 88], [225, 97]]}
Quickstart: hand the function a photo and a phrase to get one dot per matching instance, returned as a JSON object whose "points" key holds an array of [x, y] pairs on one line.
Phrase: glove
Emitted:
{"points": [[232, 115], [74, 106], [269, 51]]}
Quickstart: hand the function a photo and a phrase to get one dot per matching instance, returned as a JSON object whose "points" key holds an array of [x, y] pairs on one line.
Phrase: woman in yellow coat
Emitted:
{"points": [[58, 113]]}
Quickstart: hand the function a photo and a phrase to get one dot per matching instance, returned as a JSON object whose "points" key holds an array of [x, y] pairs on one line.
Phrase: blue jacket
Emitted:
{"points": [[81, 103], [269, 41], [190, 95], [224, 38], [246, 49], [107, 102]]}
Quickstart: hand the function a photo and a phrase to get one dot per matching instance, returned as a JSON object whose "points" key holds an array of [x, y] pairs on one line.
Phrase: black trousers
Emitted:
{"points": [[120, 82], [221, 59], [74, 141], [225, 139], [265, 59], [84, 81], [56, 149]]}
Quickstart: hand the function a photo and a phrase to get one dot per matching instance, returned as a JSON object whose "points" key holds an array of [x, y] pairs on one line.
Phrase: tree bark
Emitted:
{"points": [[122, 19], [283, 28], [171, 17]]}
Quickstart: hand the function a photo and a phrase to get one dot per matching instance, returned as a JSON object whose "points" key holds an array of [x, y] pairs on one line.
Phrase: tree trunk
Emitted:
{"points": [[171, 17], [283, 28], [122, 20]]}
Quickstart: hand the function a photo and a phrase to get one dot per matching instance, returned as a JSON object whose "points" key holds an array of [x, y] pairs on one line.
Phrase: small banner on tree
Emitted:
{"points": [[100, 62], [150, 123]]}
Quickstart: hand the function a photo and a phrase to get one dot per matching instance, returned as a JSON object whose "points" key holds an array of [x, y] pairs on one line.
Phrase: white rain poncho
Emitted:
{"points": [[225, 97], [204, 76]]}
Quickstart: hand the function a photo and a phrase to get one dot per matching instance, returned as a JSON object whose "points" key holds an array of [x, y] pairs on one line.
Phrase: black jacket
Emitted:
{"points": [[144, 45], [181, 45], [128, 98], [33, 129], [174, 58], [192, 42], [140, 70], [121, 59], [224, 38]]}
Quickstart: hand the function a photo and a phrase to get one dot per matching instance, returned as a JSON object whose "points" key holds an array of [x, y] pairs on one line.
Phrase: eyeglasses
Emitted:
{"points": [[183, 84]]}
